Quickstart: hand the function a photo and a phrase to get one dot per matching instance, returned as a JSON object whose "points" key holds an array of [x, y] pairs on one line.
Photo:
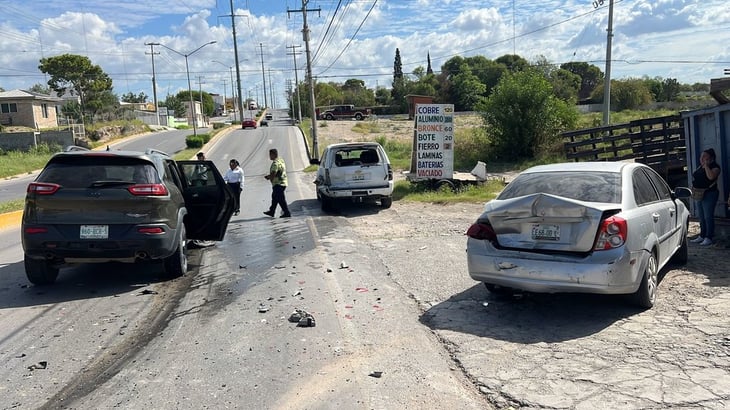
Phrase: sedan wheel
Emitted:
{"points": [[645, 296]]}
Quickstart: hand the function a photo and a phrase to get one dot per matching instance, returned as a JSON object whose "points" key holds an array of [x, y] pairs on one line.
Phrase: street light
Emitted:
{"points": [[233, 93], [190, 89]]}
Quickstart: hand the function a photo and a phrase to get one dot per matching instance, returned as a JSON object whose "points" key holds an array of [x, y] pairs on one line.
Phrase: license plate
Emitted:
{"points": [[358, 177], [542, 232], [94, 232]]}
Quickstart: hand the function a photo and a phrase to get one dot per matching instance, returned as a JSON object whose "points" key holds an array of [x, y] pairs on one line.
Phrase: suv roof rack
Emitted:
{"points": [[70, 148], [155, 151]]}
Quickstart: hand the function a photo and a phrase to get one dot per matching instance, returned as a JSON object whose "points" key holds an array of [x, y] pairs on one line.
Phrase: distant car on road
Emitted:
{"points": [[269, 116], [248, 123], [120, 206], [590, 227]]}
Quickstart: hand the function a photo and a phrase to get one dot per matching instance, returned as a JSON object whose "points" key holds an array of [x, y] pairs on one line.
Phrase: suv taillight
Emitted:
{"points": [[612, 234], [42, 188], [148, 190], [390, 173], [327, 177], [481, 231]]}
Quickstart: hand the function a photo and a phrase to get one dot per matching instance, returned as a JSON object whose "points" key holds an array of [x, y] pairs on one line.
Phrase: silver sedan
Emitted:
{"points": [[591, 227]]}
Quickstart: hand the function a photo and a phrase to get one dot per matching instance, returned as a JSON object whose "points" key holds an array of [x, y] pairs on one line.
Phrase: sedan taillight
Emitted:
{"points": [[148, 190], [481, 231], [612, 234], [42, 188]]}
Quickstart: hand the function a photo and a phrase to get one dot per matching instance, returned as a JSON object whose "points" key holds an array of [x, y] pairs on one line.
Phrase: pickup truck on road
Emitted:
{"points": [[347, 111]]}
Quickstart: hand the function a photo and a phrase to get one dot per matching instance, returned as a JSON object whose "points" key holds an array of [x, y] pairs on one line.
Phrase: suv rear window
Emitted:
{"points": [[356, 156], [82, 172]]}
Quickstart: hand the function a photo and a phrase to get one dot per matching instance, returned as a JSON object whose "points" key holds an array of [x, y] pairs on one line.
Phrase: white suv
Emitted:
{"points": [[358, 171]]}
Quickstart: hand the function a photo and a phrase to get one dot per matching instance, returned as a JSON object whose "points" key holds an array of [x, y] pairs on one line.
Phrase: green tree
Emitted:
{"points": [[130, 97], [590, 77], [354, 92], [629, 94], [208, 105], [77, 75], [383, 96], [565, 84], [104, 103], [174, 104], [398, 91], [523, 116], [467, 89], [513, 62], [670, 89]]}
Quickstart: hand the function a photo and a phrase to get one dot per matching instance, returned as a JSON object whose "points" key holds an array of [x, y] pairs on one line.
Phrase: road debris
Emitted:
{"points": [[263, 308], [148, 292], [302, 318], [377, 375], [38, 366]]}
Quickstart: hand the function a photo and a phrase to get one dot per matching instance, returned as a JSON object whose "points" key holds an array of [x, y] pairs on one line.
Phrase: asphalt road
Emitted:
{"points": [[116, 335]]}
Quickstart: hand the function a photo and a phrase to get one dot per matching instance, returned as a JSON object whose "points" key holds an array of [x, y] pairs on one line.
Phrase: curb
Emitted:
{"points": [[10, 219]]}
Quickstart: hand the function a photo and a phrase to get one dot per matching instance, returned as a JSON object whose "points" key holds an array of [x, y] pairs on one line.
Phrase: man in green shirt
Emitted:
{"points": [[277, 177]]}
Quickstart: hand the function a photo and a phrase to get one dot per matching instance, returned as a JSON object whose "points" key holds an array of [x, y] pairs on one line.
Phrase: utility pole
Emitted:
{"points": [[200, 94], [296, 83], [310, 80], [238, 70], [607, 78], [271, 91], [263, 73], [225, 100], [154, 80]]}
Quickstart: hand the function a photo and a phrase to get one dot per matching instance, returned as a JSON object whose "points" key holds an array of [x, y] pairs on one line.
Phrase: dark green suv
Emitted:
{"points": [[103, 206]]}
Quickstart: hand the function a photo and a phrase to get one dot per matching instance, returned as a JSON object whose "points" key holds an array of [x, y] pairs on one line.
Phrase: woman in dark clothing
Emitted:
{"points": [[706, 177]]}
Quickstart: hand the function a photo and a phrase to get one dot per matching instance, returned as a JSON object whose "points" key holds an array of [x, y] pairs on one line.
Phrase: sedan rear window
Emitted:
{"points": [[583, 186]]}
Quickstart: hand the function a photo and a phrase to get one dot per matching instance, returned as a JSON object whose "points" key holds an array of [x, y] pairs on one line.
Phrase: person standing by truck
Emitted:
{"points": [[234, 178], [277, 177]]}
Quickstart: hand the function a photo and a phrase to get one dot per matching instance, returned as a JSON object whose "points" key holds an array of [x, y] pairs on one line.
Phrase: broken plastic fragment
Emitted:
{"points": [[40, 365]]}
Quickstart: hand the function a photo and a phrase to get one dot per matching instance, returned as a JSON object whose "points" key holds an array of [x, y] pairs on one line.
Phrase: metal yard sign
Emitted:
{"points": [[433, 141]]}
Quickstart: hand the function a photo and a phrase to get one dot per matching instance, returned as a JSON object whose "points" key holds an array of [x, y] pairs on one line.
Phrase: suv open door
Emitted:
{"points": [[208, 199]]}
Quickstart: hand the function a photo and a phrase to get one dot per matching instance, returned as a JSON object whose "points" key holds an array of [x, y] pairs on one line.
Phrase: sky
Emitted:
{"points": [[688, 40]]}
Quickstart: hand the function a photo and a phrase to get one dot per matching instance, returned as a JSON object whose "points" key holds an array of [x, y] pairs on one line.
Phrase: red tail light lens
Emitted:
{"points": [[612, 234], [148, 190], [42, 188], [481, 231], [151, 229], [33, 230]]}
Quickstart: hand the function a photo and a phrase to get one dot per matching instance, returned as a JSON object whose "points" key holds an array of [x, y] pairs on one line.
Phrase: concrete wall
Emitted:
{"points": [[23, 141]]}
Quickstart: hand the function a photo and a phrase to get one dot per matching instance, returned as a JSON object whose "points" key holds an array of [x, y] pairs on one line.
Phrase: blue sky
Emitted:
{"points": [[684, 39]]}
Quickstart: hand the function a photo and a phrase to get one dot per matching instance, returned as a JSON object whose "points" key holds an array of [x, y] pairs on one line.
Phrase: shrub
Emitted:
{"points": [[192, 141]]}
